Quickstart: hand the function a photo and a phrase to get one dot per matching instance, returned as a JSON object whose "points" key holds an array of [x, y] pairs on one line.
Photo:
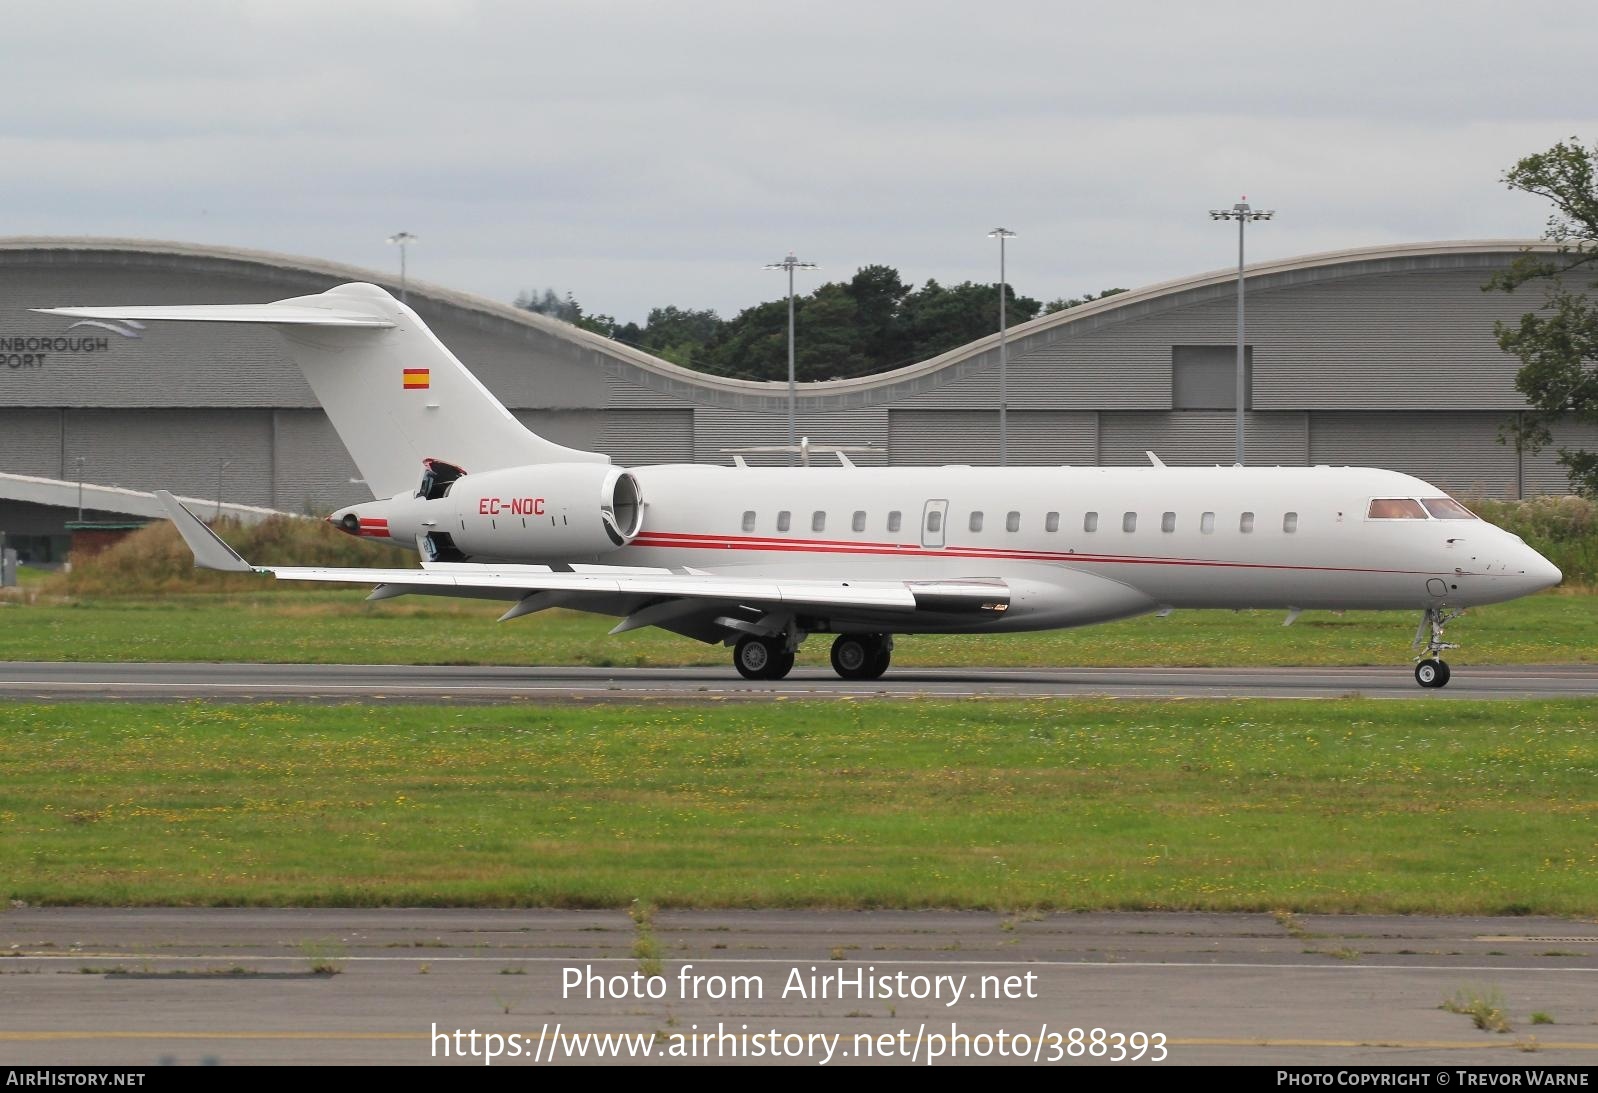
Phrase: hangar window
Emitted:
{"points": [[894, 520], [976, 521], [1012, 521], [1207, 523], [1090, 522], [859, 521], [818, 521], [1290, 522], [1245, 523], [749, 520], [1395, 508], [784, 520], [1204, 377], [1051, 522], [1129, 521], [1168, 522]]}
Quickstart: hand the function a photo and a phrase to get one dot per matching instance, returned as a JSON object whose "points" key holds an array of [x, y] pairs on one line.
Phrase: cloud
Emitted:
{"points": [[639, 154]]}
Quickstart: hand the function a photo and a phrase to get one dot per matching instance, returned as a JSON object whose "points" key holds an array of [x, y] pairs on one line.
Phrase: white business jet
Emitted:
{"points": [[761, 558]]}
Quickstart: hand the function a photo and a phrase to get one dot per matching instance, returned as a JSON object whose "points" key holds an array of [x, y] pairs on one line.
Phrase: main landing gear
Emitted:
{"points": [[762, 658], [854, 656], [1431, 670], [862, 656]]}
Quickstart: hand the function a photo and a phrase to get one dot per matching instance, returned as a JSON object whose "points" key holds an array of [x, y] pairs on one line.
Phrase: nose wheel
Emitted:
{"points": [[1431, 670], [1432, 673]]}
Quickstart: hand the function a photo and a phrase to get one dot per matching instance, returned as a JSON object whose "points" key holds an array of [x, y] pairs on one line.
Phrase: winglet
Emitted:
{"points": [[210, 552]]}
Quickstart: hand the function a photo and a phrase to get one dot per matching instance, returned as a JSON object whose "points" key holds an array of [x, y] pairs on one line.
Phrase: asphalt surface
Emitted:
{"points": [[141, 987], [55, 681]]}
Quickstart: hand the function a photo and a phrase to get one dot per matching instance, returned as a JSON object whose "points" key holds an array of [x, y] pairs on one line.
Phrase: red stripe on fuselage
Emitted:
{"points": [[695, 541]]}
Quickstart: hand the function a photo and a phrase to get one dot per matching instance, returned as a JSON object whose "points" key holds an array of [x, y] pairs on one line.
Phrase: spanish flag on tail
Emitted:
{"points": [[418, 379]]}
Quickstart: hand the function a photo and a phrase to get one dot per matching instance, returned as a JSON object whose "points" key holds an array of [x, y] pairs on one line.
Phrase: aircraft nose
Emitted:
{"points": [[1542, 572]]}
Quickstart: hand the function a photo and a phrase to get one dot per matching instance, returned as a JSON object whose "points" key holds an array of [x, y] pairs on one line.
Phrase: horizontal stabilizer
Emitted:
{"points": [[269, 314]]}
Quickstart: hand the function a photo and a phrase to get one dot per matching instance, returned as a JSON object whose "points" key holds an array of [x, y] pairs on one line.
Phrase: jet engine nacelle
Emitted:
{"points": [[551, 510], [538, 513]]}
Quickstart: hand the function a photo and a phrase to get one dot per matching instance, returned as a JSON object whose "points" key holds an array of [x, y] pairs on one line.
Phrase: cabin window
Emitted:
{"points": [[1090, 522], [1446, 508], [1012, 521], [818, 521], [1395, 508], [934, 522], [1207, 523], [976, 521], [1290, 522], [1129, 521], [749, 520], [1051, 522], [894, 520], [1245, 523], [784, 520], [1168, 522], [859, 521]]}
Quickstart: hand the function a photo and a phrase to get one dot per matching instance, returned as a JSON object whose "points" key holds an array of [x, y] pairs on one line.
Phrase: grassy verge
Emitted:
{"points": [[1330, 806], [338, 627]]}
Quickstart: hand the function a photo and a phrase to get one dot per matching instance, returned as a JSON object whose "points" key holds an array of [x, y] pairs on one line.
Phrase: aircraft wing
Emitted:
{"points": [[703, 605]]}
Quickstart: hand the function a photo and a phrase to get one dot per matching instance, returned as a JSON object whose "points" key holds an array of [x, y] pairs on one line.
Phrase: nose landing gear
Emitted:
{"points": [[1430, 669]]}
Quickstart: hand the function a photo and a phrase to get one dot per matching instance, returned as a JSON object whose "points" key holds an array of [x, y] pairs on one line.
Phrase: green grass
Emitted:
{"points": [[339, 627], [1341, 806]]}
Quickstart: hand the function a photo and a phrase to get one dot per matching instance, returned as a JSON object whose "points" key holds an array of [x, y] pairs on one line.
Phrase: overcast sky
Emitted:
{"points": [[639, 154]]}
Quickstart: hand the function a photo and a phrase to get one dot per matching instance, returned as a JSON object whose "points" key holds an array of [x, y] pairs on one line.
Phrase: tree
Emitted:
{"points": [[1558, 343], [1061, 303], [567, 310]]}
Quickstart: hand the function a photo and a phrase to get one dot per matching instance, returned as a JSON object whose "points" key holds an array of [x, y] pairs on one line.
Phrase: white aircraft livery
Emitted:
{"points": [[761, 558]]}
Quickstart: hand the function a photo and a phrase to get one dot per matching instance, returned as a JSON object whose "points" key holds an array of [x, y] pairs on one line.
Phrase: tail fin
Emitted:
{"points": [[394, 393]]}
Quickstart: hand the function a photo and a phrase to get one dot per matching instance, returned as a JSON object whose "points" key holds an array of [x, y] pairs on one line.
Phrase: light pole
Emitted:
{"points": [[221, 466], [402, 240], [790, 264], [77, 465], [1001, 234], [1242, 213]]}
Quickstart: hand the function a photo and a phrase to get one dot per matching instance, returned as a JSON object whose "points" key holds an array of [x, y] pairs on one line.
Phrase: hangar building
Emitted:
{"points": [[1380, 356]]}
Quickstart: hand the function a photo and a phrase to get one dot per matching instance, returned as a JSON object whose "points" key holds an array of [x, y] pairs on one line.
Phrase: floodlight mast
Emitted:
{"points": [[402, 240], [1242, 213], [790, 264], [1002, 234]]}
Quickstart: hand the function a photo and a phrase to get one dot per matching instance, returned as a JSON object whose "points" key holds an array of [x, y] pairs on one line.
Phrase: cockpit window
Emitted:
{"points": [[1395, 508], [1446, 508]]}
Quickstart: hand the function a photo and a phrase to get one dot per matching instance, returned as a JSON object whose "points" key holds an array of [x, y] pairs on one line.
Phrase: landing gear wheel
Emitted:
{"points": [[860, 656], [760, 658], [1432, 673]]}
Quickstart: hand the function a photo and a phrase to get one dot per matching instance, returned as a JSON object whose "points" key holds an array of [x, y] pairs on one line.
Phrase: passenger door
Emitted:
{"points": [[934, 519]]}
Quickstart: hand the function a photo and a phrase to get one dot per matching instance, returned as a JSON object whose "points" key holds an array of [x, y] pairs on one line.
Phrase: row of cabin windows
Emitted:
{"points": [[1012, 521]]}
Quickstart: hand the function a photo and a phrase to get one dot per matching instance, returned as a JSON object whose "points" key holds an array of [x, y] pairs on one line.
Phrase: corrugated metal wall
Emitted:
{"points": [[30, 442], [718, 429], [1457, 451], [638, 438], [311, 471], [1198, 438], [179, 450], [928, 438]]}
